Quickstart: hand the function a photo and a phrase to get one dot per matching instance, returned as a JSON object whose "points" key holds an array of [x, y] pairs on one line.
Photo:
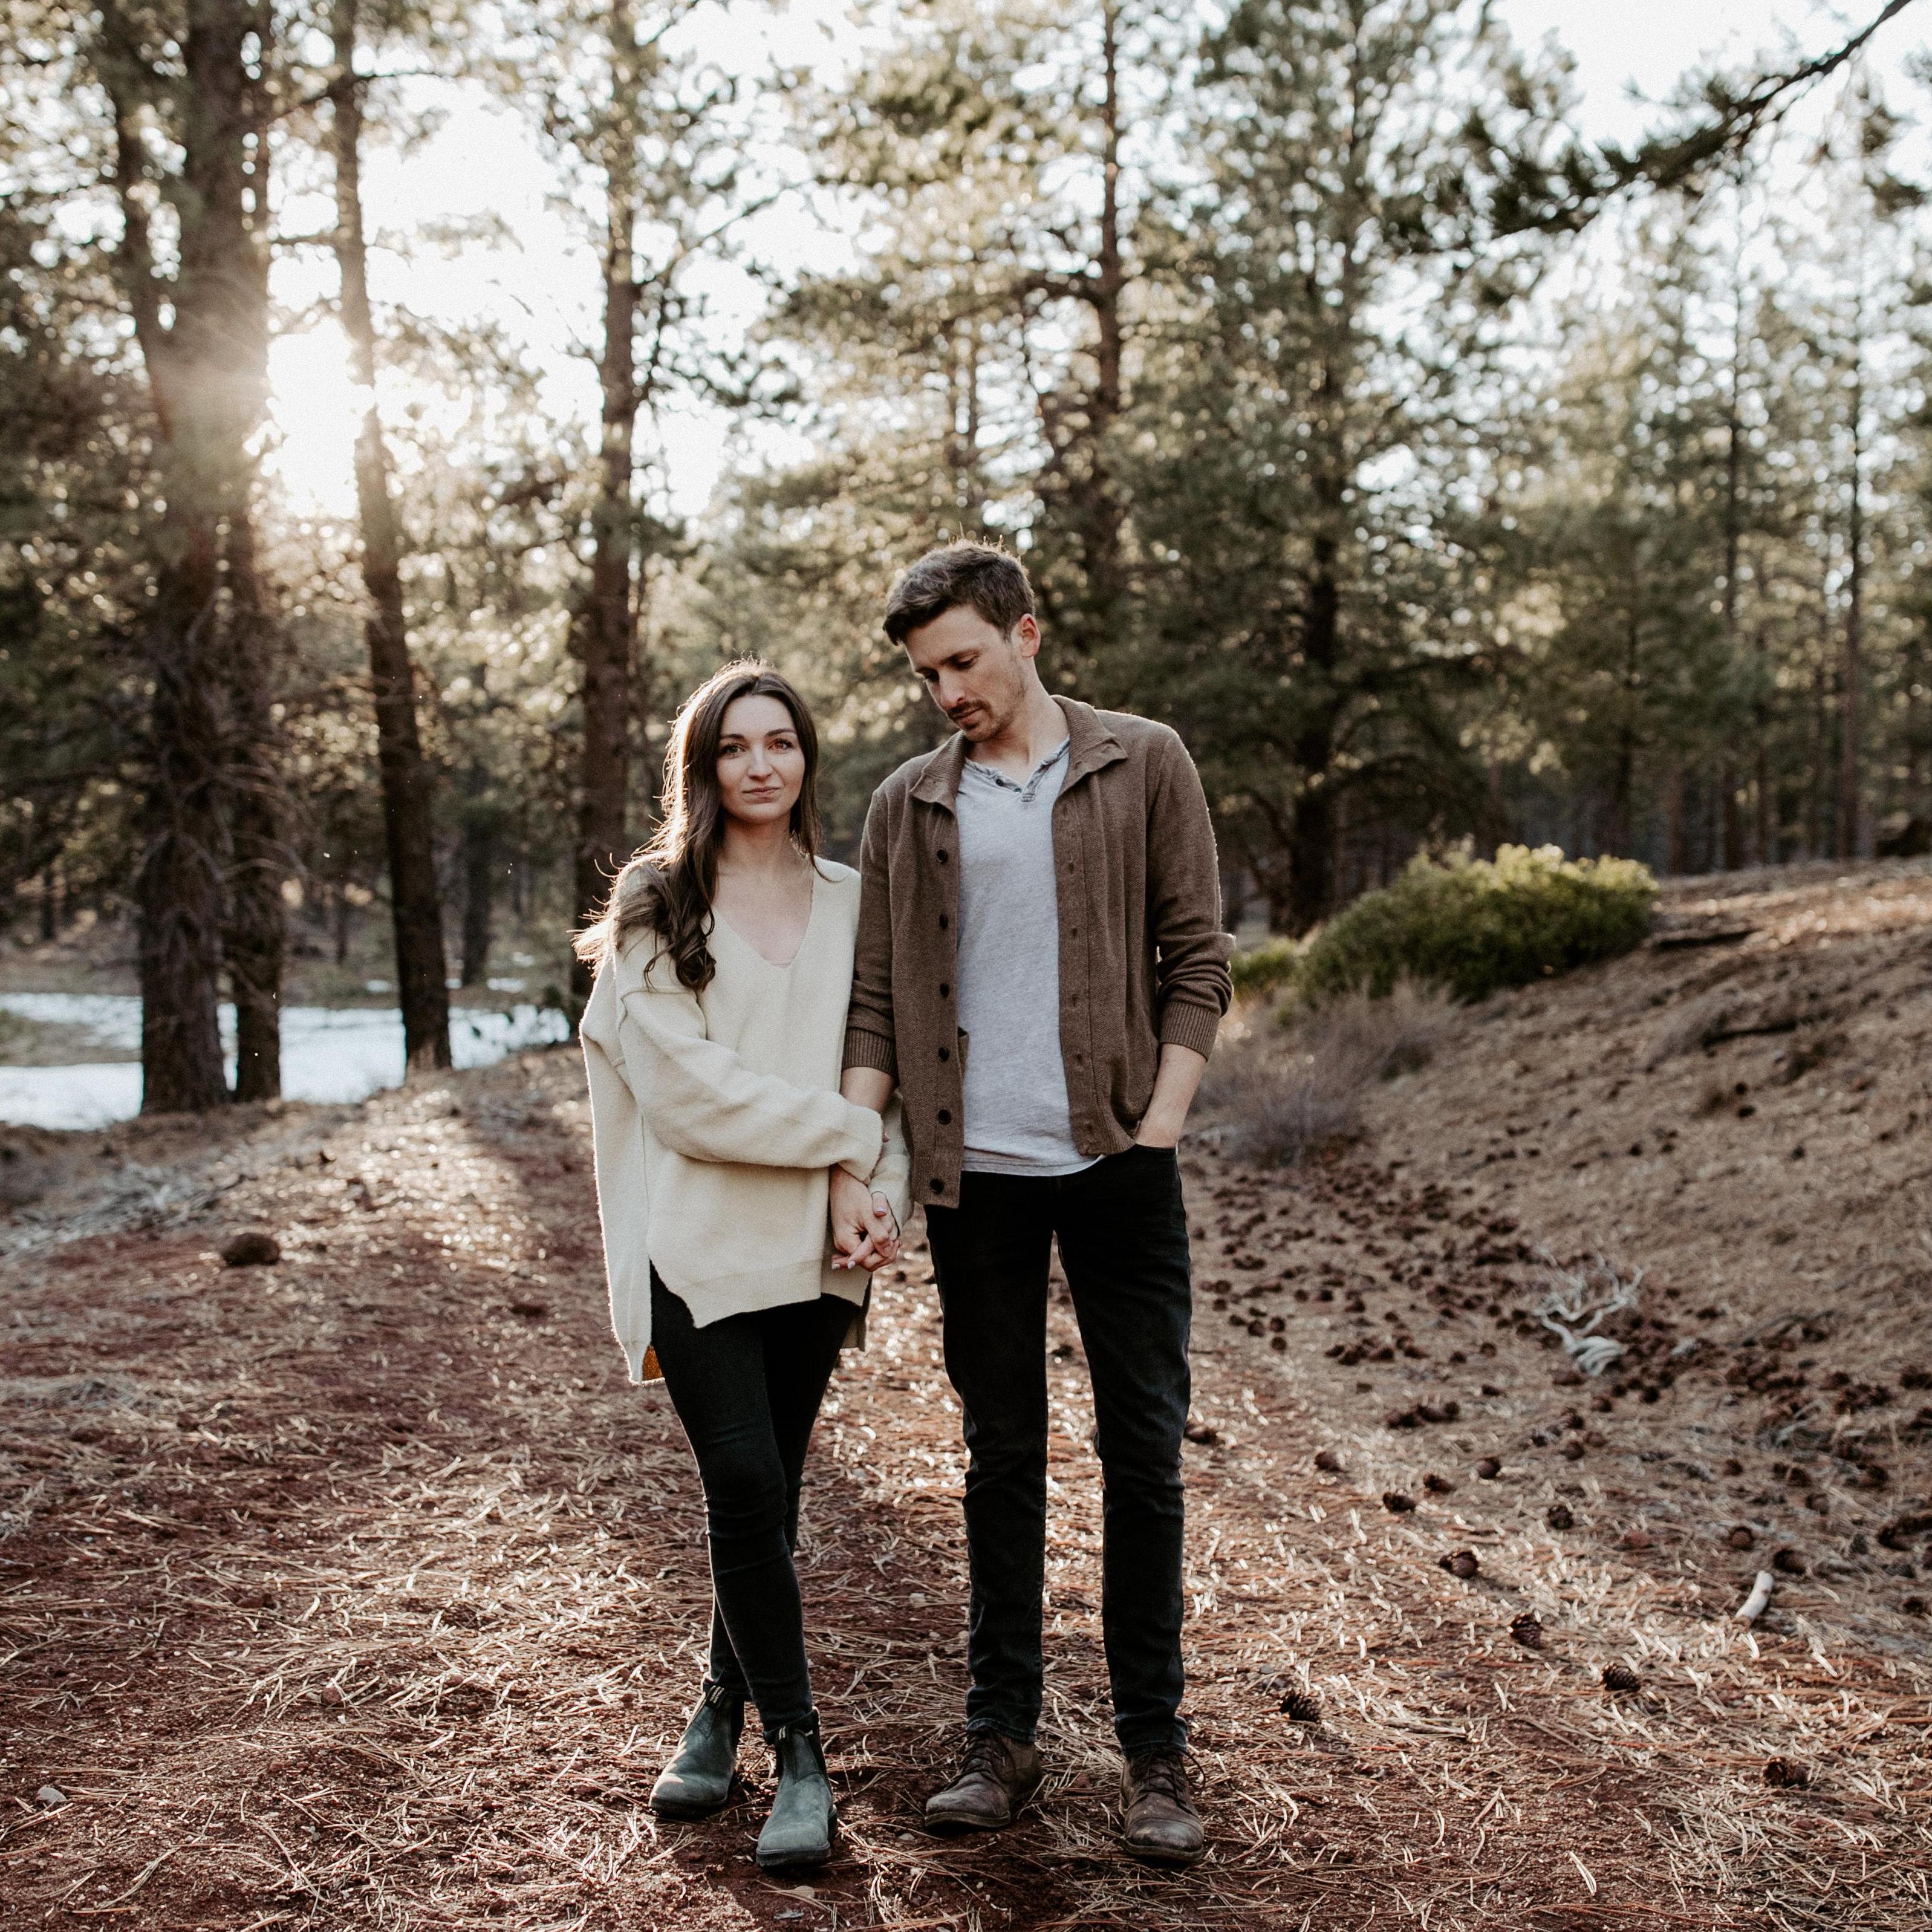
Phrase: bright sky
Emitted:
{"points": [[546, 289]]}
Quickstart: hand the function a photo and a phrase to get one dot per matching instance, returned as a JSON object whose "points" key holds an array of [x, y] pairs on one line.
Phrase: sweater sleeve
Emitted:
{"points": [[623, 1203], [1193, 986], [704, 1101], [869, 1038]]}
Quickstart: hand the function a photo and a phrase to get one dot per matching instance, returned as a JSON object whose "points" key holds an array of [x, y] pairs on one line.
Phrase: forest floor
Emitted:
{"points": [[360, 1589]]}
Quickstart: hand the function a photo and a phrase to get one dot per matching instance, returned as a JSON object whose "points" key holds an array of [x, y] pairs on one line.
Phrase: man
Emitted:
{"points": [[1041, 971]]}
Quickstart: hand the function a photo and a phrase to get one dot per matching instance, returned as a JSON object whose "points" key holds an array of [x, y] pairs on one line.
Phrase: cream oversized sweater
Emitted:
{"points": [[716, 1116]]}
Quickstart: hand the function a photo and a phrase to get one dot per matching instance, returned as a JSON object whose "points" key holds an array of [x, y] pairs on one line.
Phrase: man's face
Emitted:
{"points": [[976, 673]]}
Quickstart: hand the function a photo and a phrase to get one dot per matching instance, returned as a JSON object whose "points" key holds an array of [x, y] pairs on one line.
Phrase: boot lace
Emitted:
{"points": [[985, 1756], [1161, 1773]]}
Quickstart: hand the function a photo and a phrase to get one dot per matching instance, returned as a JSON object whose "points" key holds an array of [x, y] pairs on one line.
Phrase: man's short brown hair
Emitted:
{"points": [[987, 578]]}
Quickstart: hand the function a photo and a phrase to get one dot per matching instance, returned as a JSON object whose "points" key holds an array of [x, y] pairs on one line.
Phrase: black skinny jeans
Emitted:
{"points": [[1122, 1229], [747, 1389]]}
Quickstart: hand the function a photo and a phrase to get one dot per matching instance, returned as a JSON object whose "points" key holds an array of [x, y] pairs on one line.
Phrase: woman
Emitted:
{"points": [[714, 1037]]}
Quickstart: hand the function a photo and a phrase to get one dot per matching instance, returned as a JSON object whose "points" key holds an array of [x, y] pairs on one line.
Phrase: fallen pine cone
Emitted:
{"points": [[1462, 1564], [1741, 1538], [1901, 1529], [1784, 1774], [1302, 1707], [1789, 1561], [1559, 1516], [1489, 1469], [1438, 1486], [1637, 1539], [1327, 1460], [1402, 1418], [1528, 1631], [1395, 1503], [254, 1247], [1620, 1677], [1201, 1432]]}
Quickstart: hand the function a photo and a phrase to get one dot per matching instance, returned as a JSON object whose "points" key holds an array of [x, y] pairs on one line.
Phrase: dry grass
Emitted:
{"points": [[1276, 1093], [343, 1594]]}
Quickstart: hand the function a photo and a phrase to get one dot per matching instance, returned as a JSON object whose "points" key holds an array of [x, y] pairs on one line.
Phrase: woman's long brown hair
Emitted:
{"points": [[668, 887]]}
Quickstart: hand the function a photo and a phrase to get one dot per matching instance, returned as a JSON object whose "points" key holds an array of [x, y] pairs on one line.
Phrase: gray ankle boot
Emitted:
{"points": [[798, 1834], [697, 1780]]}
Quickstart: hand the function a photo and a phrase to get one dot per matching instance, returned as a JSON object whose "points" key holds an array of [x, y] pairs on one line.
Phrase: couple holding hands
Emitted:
{"points": [[1002, 1015]]}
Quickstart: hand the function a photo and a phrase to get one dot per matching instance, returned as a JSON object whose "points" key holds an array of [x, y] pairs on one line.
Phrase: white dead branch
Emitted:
{"points": [[1753, 1607], [1578, 1301]]}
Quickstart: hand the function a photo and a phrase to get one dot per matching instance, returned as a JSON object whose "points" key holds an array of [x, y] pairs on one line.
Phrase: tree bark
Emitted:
{"points": [[203, 337], [415, 897], [1311, 835], [1851, 673], [608, 623], [1728, 779], [479, 879], [256, 938]]}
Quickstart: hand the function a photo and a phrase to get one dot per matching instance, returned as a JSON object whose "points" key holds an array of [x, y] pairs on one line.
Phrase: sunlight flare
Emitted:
{"points": [[315, 406]]}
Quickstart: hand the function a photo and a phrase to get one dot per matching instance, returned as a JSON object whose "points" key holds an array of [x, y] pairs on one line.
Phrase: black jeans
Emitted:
{"points": [[1122, 1234], [747, 1389]]}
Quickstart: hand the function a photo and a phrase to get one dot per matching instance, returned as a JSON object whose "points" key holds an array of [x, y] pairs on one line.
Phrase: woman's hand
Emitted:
{"points": [[865, 1233]]}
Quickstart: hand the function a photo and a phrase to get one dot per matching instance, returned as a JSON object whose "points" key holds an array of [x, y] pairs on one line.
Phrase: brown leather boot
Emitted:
{"points": [[996, 1776], [1158, 1822]]}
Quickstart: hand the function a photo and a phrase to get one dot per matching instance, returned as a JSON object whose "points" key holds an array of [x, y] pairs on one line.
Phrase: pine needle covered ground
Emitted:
{"points": [[359, 1589]]}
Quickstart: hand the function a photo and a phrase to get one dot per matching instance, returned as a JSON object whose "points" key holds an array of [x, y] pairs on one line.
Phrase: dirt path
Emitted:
{"points": [[360, 1590]]}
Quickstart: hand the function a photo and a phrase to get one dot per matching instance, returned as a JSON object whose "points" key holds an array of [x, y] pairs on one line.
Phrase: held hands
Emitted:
{"points": [[865, 1231]]}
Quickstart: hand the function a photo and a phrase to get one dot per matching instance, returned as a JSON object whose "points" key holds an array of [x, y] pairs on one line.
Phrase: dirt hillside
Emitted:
{"points": [[357, 1588]]}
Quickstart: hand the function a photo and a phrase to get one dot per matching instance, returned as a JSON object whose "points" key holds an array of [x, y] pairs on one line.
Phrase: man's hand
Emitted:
{"points": [[864, 1232], [1180, 1071]]}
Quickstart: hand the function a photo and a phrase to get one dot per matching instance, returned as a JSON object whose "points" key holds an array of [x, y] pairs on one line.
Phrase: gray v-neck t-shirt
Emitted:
{"points": [[1017, 1119]]}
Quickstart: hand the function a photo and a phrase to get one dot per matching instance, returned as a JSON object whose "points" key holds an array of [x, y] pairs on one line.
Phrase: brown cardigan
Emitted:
{"points": [[1143, 961]]}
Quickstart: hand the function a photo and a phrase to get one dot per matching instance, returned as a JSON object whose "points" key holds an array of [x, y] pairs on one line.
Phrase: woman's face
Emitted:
{"points": [[760, 763]]}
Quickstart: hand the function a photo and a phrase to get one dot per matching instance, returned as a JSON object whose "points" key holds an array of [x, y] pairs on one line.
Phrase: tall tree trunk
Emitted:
{"points": [[178, 893], [1617, 828], [415, 897], [1851, 672], [1728, 778], [607, 625], [1312, 821], [1917, 739], [255, 939], [1104, 515], [1681, 808], [203, 339], [479, 880]]}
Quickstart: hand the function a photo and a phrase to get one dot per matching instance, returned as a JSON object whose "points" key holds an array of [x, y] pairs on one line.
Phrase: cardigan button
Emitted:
{"points": [[945, 1118], [945, 1053], [937, 1185], [944, 989], [941, 857], [943, 922]]}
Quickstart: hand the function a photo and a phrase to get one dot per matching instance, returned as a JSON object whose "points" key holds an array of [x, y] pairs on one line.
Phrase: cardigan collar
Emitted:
{"points": [[1090, 746]]}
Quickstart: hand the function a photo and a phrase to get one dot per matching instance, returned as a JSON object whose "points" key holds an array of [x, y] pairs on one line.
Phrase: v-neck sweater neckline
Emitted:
{"points": [[717, 919]]}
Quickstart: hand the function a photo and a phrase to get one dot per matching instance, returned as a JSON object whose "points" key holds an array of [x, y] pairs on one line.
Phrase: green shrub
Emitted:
{"points": [[1474, 925], [1264, 969]]}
